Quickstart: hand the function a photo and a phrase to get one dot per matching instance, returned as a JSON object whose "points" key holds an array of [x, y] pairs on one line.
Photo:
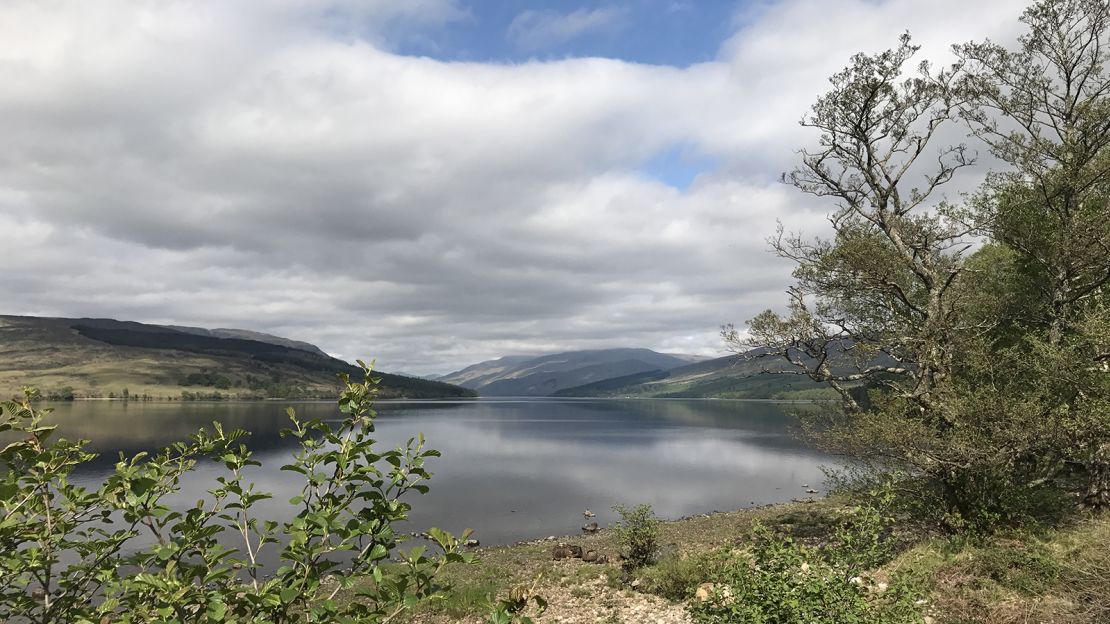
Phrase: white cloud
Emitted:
{"points": [[536, 29], [242, 164]]}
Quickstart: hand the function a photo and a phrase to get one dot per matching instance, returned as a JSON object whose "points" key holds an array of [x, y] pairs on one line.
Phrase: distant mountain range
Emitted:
{"points": [[734, 376], [547, 374], [67, 358], [632, 373]]}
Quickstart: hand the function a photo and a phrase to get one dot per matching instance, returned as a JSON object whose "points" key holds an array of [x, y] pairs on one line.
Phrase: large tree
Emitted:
{"points": [[1044, 110], [985, 369]]}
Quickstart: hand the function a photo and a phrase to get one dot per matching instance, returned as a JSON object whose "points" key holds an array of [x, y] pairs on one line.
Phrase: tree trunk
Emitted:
{"points": [[1098, 480]]}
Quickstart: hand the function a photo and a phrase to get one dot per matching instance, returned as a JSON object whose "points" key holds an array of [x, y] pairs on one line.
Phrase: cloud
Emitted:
{"points": [[245, 164], [537, 29]]}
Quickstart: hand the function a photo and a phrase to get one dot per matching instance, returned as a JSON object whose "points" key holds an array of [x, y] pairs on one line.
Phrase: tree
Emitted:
{"points": [[876, 305], [883, 285], [983, 372], [1044, 110]]}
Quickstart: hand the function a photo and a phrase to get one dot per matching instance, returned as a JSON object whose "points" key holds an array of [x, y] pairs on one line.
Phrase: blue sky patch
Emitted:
{"points": [[678, 166], [658, 32]]}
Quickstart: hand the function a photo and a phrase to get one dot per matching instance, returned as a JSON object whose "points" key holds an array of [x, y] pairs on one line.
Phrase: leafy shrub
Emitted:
{"points": [[638, 534], [65, 393], [972, 505], [120, 553], [676, 578], [513, 607], [780, 580]]}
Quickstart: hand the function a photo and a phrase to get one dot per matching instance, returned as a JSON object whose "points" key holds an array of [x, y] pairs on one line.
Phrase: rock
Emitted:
{"points": [[472, 543], [811, 491], [561, 552], [588, 514], [550, 538], [707, 591], [704, 591], [930, 619], [566, 551], [592, 556], [591, 527]]}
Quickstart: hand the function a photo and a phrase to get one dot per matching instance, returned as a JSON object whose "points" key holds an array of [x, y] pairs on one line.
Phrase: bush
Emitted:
{"points": [[676, 578], [638, 534], [120, 553], [65, 393], [780, 580]]}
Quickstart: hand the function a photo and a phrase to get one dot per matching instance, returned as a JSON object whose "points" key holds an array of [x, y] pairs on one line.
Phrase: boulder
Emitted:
{"points": [[566, 551], [561, 552], [708, 591]]}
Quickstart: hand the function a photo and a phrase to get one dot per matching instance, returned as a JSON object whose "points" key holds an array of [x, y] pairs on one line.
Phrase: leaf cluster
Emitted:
{"points": [[122, 552]]}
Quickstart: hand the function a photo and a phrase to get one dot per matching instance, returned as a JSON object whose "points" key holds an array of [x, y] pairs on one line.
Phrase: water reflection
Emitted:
{"points": [[511, 469]]}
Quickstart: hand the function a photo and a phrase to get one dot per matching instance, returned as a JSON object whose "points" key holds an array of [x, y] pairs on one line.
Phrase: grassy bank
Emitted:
{"points": [[1058, 575]]}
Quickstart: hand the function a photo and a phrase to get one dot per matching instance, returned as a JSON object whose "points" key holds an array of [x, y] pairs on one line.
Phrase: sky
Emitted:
{"points": [[427, 183]]}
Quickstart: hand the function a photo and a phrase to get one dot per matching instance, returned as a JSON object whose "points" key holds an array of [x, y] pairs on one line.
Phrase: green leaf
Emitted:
{"points": [[216, 611]]}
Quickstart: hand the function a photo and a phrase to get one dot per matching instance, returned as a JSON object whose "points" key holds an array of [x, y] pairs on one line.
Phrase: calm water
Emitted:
{"points": [[511, 469]]}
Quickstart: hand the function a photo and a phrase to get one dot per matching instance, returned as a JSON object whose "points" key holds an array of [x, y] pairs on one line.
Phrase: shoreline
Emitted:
{"points": [[1056, 575]]}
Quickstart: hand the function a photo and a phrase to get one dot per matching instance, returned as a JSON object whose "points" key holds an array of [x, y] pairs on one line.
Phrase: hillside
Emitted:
{"points": [[107, 358], [547, 374], [726, 377], [247, 334]]}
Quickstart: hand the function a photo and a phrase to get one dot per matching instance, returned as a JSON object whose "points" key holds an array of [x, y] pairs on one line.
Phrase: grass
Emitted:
{"points": [[1061, 576], [1054, 576]]}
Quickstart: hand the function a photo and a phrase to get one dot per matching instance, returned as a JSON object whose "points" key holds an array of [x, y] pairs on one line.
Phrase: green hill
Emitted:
{"points": [[105, 358]]}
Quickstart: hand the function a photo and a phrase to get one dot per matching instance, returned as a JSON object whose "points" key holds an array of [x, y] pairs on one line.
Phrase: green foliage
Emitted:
{"points": [[984, 375], [64, 393], [120, 551], [1025, 567], [780, 580], [513, 607], [674, 577], [207, 378], [638, 534]]}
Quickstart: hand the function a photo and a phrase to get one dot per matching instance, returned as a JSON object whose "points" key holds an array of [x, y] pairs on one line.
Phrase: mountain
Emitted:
{"points": [[476, 375], [104, 357], [733, 376], [547, 374]]}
